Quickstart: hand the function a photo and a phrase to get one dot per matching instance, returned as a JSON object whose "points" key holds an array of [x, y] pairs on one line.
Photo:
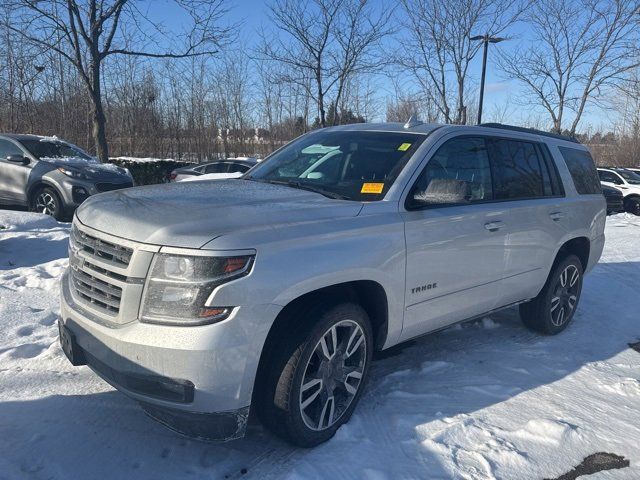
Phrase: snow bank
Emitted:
{"points": [[25, 221]]}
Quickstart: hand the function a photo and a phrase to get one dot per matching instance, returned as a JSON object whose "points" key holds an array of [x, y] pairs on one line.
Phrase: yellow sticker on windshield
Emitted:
{"points": [[372, 188], [404, 147]]}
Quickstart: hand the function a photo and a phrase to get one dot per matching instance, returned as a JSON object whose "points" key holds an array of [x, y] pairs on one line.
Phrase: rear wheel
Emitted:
{"points": [[552, 310], [632, 205], [317, 375], [46, 200]]}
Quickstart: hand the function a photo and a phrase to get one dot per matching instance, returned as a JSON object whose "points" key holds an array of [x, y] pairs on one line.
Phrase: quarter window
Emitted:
{"points": [[458, 173], [583, 171]]}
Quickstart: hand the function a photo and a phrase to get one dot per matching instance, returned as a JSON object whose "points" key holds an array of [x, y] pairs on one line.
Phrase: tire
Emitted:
{"points": [[632, 205], [316, 375], [46, 200], [544, 313]]}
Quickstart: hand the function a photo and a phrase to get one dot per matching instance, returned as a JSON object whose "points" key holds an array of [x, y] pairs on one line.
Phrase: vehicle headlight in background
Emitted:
{"points": [[178, 287], [73, 173]]}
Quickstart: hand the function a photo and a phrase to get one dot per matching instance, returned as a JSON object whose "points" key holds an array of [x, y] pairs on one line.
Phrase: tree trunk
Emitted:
{"points": [[98, 119]]}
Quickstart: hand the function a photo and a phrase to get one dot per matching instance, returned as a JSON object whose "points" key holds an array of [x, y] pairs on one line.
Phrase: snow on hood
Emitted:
{"points": [[190, 215], [88, 166], [211, 176], [75, 161]]}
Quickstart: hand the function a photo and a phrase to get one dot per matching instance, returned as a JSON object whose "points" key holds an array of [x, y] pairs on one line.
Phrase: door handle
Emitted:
{"points": [[556, 216], [493, 226]]}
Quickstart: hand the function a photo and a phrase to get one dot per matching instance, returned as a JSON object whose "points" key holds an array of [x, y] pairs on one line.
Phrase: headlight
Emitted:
{"points": [[72, 172], [179, 285]]}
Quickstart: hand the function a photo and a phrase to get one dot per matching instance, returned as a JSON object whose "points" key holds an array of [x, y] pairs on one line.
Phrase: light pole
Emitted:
{"points": [[486, 39]]}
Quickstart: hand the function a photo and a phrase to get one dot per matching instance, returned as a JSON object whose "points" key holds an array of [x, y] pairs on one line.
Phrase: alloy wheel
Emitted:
{"points": [[565, 296], [333, 375], [45, 203]]}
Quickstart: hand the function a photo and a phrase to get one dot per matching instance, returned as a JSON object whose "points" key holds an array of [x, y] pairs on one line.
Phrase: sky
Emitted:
{"points": [[501, 94]]}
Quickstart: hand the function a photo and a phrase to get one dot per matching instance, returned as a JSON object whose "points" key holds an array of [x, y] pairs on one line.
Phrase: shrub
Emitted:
{"points": [[148, 171]]}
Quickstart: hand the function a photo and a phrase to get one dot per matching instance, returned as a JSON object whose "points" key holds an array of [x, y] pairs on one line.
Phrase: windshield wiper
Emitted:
{"points": [[305, 186]]}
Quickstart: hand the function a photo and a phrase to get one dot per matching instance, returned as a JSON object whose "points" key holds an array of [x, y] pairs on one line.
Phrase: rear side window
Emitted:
{"points": [[519, 170], [582, 169], [216, 168]]}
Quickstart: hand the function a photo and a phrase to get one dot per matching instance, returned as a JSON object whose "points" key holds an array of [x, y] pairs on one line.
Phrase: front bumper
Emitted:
{"points": [[75, 190], [615, 204], [195, 380]]}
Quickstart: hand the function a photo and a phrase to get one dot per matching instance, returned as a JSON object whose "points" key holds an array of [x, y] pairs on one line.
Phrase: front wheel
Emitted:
{"points": [[554, 307], [317, 377], [47, 201]]}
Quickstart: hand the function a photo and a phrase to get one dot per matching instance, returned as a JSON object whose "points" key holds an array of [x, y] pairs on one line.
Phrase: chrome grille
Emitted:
{"points": [[100, 249], [95, 265], [96, 292]]}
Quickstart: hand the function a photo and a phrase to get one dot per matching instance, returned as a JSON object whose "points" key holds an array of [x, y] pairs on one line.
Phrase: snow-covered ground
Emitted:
{"points": [[484, 400]]}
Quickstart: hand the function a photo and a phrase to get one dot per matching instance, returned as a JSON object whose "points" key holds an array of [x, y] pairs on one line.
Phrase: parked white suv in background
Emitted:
{"points": [[625, 180], [272, 291]]}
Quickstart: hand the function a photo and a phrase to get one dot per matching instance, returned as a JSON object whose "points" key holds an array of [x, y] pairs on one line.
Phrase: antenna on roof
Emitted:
{"points": [[412, 122]]}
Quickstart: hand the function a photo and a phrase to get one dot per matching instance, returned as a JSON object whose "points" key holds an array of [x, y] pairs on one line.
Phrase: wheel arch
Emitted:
{"points": [[369, 294], [578, 246], [38, 185]]}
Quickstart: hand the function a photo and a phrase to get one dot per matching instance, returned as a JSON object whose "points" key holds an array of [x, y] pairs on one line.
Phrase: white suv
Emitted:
{"points": [[272, 291], [625, 180]]}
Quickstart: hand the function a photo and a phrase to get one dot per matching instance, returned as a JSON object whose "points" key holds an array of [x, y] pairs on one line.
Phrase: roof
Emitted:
{"points": [[21, 136], [427, 128], [422, 128]]}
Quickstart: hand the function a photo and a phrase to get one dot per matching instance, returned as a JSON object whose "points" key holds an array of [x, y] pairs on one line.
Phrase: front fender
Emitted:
{"points": [[372, 248]]}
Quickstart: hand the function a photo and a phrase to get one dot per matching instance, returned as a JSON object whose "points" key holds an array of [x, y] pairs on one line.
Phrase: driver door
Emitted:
{"points": [[455, 239], [13, 176]]}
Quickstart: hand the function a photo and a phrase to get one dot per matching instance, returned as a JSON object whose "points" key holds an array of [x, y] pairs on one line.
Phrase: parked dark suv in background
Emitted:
{"points": [[51, 176]]}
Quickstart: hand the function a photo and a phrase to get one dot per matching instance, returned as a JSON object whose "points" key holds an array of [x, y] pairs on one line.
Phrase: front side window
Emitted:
{"points": [[609, 177], [582, 169], [351, 165], [459, 173], [519, 170], [7, 148], [238, 167]]}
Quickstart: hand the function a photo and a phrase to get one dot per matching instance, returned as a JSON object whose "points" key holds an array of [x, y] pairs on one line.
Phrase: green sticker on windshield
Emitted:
{"points": [[404, 147]]}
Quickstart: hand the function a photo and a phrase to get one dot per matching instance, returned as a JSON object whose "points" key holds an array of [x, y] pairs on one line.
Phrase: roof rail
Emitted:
{"points": [[530, 130]]}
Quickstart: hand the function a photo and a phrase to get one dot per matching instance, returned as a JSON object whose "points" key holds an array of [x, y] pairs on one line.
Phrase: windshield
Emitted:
{"points": [[349, 165], [629, 176], [52, 149]]}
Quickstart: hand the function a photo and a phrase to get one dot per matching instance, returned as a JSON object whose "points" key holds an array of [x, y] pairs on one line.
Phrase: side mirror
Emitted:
{"points": [[17, 158]]}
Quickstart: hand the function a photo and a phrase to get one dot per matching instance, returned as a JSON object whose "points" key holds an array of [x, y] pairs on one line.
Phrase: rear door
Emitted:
{"points": [[455, 238], [528, 185], [13, 176]]}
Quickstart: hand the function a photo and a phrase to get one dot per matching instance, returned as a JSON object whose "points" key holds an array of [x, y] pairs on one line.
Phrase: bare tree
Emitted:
{"points": [[579, 49], [328, 41], [437, 48], [87, 32]]}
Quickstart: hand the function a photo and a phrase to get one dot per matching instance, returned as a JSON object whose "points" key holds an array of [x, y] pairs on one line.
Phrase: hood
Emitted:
{"points": [[190, 214], [91, 168]]}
